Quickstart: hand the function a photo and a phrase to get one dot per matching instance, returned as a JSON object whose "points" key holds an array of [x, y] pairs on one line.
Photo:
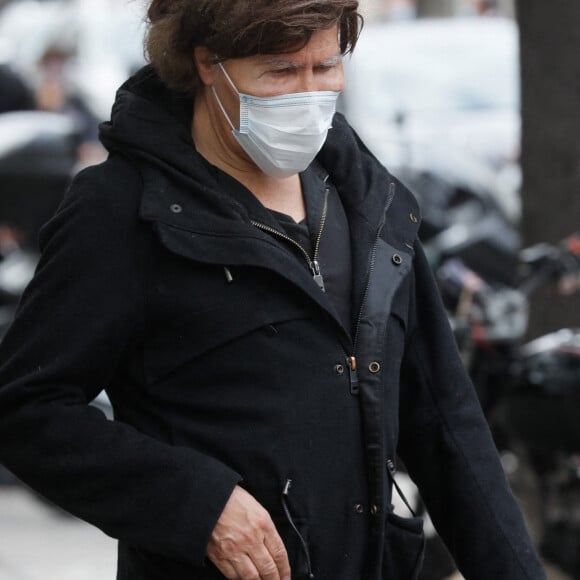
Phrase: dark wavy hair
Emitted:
{"points": [[239, 28]]}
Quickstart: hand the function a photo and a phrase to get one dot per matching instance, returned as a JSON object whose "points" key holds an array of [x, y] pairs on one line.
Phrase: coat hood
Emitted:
{"points": [[152, 125], [152, 122]]}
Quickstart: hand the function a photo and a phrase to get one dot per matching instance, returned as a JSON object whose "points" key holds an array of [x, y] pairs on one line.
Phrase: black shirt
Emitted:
{"points": [[334, 254]]}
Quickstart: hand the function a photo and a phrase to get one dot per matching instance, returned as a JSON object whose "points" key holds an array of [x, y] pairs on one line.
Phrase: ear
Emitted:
{"points": [[204, 63]]}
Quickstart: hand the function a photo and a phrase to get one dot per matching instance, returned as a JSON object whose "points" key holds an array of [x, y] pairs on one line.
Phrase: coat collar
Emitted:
{"points": [[152, 123], [183, 196]]}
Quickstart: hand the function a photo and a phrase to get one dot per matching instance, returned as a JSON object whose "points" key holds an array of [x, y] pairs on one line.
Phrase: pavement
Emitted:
{"points": [[38, 542]]}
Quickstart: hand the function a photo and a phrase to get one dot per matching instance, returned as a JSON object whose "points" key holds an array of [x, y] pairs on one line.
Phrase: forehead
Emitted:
{"points": [[323, 46]]}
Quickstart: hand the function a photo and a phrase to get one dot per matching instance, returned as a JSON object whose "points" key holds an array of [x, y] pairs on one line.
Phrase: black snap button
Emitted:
{"points": [[374, 510], [339, 369], [397, 260], [358, 508], [413, 218], [176, 208], [374, 367]]}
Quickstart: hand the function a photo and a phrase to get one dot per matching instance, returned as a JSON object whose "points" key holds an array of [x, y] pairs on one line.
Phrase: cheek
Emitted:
{"points": [[228, 98]]}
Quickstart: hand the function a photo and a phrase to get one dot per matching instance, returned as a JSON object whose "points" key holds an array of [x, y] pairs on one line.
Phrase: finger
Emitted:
{"points": [[265, 564], [245, 569], [226, 569], [278, 552]]}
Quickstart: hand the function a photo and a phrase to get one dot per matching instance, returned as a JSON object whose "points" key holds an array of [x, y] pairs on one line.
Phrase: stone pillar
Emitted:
{"points": [[437, 8]]}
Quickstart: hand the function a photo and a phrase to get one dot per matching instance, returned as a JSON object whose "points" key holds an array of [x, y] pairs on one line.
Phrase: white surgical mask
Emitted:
{"points": [[282, 134]]}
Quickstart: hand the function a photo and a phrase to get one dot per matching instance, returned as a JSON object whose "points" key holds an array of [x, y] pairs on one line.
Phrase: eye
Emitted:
{"points": [[325, 67], [281, 71]]}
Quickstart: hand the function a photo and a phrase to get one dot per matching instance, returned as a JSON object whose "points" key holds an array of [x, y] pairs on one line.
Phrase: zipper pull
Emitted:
{"points": [[315, 267], [354, 385]]}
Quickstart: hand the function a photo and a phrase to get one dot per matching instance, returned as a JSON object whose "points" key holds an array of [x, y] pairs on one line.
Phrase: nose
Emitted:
{"points": [[308, 81]]}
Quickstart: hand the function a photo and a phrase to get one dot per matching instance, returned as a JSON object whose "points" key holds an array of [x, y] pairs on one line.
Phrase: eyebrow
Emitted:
{"points": [[278, 62]]}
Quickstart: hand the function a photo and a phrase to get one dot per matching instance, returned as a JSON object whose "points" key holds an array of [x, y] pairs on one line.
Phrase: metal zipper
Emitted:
{"points": [[313, 263], [351, 360]]}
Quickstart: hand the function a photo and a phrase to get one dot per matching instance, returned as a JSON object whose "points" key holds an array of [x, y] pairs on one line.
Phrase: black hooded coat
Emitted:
{"points": [[225, 365]]}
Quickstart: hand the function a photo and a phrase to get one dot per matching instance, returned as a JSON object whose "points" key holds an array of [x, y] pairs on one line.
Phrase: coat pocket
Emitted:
{"points": [[294, 534], [404, 547], [292, 526], [295, 538]]}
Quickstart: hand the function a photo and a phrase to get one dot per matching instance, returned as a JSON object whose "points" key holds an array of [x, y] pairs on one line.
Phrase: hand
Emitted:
{"points": [[245, 544]]}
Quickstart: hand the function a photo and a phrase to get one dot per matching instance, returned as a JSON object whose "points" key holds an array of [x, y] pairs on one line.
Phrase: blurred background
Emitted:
{"points": [[474, 104]]}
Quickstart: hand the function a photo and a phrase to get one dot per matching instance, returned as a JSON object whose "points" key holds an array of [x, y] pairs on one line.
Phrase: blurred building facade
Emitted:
{"points": [[405, 9]]}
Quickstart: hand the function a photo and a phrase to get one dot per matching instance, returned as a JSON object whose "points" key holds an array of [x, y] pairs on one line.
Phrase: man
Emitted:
{"points": [[247, 285], [15, 95]]}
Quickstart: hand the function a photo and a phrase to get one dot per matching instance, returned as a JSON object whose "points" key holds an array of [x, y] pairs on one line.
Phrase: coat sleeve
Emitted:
{"points": [[447, 447], [83, 311]]}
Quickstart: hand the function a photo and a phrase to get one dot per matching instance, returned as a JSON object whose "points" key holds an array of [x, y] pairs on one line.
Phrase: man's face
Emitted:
{"points": [[316, 67]]}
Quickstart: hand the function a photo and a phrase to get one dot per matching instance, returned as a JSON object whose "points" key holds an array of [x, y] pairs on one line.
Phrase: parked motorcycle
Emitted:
{"points": [[529, 392], [37, 157]]}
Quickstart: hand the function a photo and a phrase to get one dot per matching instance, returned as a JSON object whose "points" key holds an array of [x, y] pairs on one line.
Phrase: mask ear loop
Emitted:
{"points": [[218, 100], [222, 108], [229, 78]]}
